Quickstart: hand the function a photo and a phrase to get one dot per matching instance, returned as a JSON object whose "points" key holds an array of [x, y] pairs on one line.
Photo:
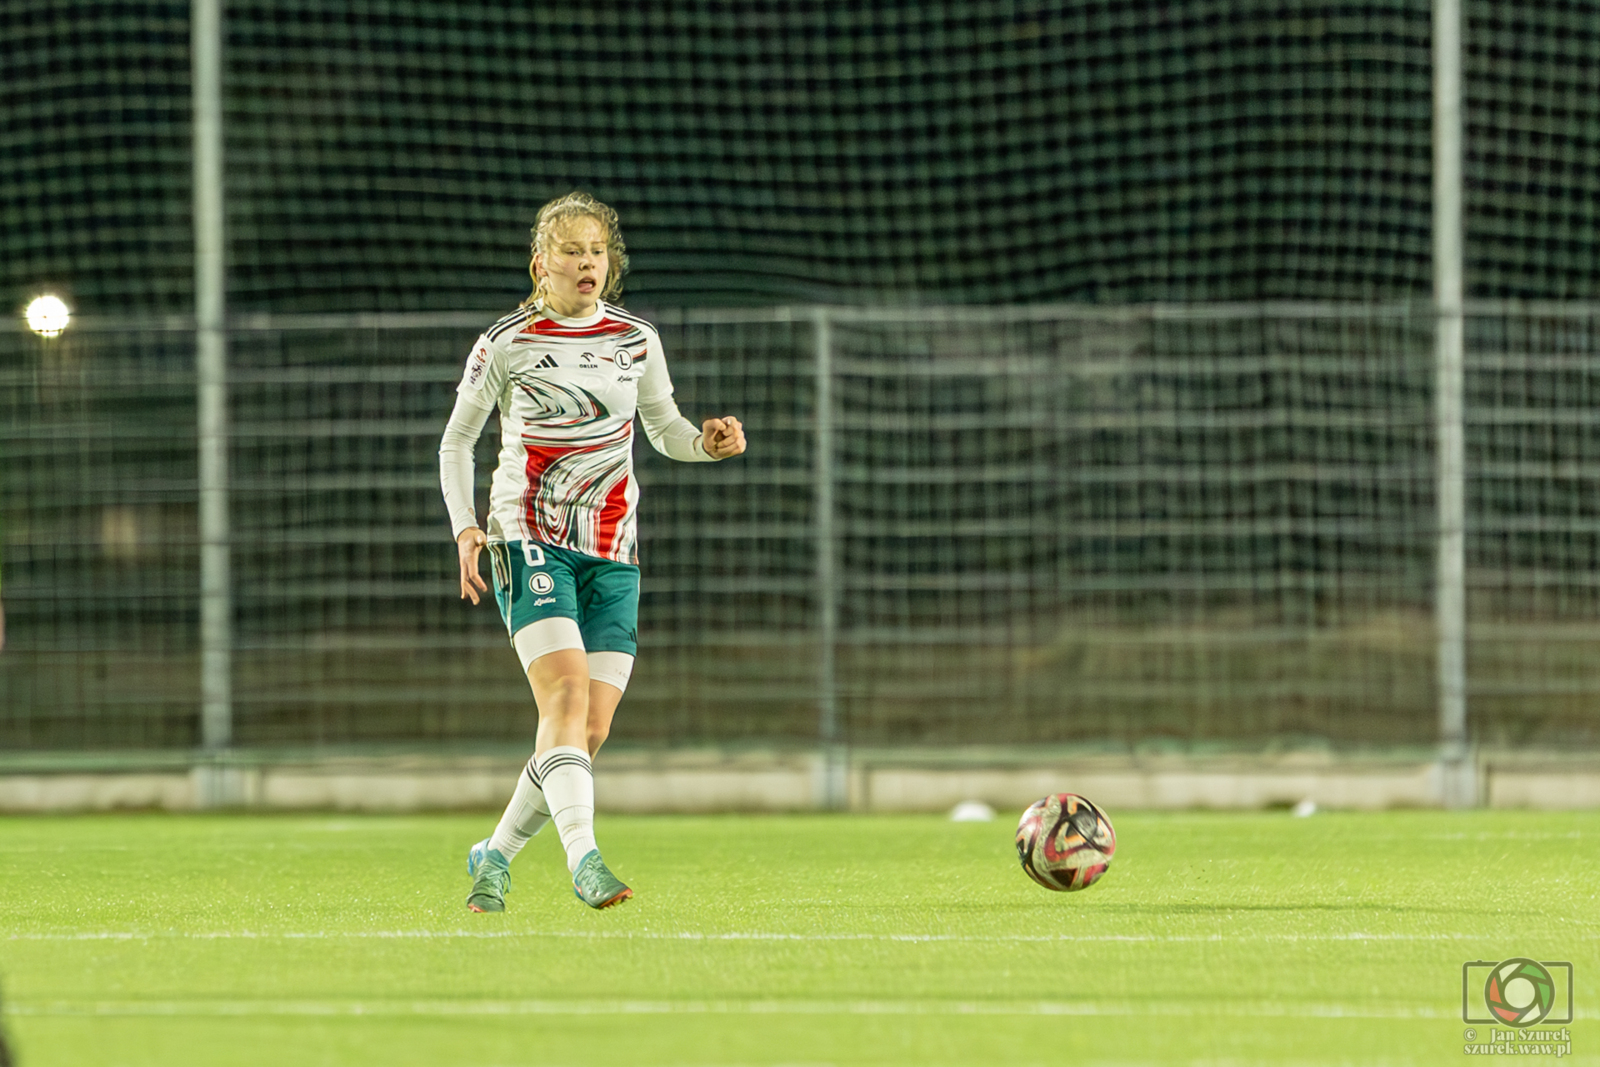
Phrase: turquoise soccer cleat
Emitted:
{"points": [[595, 885], [491, 878], [476, 855]]}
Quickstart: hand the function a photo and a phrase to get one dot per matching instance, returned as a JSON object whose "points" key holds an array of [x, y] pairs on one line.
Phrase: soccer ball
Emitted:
{"points": [[1065, 842]]}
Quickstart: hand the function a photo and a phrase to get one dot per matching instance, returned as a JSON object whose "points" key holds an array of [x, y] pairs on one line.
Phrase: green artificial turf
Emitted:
{"points": [[1215, 938]]}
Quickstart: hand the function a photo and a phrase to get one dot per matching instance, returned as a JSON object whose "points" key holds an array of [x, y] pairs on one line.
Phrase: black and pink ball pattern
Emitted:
{"points": [[1065, 842]]}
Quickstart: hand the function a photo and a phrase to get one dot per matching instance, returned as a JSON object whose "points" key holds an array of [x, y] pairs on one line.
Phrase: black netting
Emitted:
{"points": [[386, 155], [95, 155], [1532, 86], [1191, 523]]}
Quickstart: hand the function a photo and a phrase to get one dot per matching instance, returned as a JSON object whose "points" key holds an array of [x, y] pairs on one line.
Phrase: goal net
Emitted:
{"points": [[1085, 350]]}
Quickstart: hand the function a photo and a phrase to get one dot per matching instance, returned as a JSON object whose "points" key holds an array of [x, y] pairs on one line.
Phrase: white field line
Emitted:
{"points": [[245, 1008], [645, 935]]}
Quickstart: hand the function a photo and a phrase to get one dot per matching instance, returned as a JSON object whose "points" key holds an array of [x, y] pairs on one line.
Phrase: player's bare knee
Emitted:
{"points": [[569, 694]]}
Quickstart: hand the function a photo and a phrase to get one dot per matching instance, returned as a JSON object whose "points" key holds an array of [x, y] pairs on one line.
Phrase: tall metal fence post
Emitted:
{"points": [[833, 789], [1457, 768], [212, 780]]}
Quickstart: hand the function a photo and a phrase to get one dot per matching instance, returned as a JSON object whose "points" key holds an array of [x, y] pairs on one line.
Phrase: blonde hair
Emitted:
{"points": [[558, 214]]}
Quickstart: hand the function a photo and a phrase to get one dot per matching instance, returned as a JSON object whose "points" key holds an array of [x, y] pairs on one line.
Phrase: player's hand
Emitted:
{"points": [[468, 545], [722, 437]]}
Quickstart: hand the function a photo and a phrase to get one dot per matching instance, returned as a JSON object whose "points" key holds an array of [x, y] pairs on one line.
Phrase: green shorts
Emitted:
{"points": [[534, 581]]}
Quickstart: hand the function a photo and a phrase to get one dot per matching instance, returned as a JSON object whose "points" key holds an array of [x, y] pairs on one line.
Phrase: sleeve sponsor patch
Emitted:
{"points": [[477, 364]]}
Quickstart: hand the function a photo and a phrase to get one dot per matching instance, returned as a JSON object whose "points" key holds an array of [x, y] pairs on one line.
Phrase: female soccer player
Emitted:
{"points": [[567, 370]]}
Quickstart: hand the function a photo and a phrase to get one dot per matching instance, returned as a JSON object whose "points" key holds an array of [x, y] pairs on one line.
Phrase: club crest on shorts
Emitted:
{"points": [[541, 583]]}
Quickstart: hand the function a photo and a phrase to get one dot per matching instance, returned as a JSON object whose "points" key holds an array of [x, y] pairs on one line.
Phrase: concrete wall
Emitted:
{"points": [[711, 781]]}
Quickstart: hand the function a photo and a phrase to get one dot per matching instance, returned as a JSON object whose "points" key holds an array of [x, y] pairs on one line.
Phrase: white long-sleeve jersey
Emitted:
{"points": [[567, 390]]}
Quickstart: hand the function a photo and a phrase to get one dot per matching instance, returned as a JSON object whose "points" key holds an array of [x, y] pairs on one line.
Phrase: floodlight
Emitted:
{"points": [[48, 315]]}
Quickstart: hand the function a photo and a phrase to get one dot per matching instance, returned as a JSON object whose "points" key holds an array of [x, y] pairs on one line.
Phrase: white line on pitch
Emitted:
{"points": [[238, 1008], [645, 935]]}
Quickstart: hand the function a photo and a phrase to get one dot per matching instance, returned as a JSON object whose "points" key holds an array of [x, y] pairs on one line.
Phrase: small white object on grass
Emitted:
{"points": [[1305, 808], [972, 811]]}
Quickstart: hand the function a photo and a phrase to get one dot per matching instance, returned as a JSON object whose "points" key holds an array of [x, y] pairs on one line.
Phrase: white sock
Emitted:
{"points": [[568, 781], [525, 815]]}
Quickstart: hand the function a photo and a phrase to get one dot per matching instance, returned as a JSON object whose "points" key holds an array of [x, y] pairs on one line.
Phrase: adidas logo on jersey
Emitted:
{"points": [[547, 363]]}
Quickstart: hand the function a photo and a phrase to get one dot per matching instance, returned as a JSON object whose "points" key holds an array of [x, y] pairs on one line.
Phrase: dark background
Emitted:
{"points": [[392, 155]]}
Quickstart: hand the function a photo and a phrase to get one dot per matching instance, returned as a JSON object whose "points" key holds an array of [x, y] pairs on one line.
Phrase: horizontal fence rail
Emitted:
{"points": [[1140, 525]]}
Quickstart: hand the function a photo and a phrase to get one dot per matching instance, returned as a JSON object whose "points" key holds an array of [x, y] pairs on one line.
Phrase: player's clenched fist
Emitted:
{"points": [[468, 545], [722, 437]]}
